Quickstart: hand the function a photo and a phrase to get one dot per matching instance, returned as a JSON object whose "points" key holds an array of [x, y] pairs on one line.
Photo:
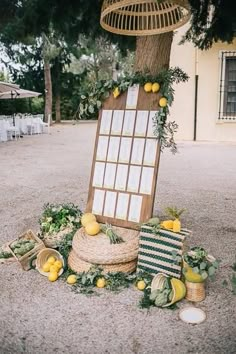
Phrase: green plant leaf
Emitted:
{"points": [[196, 270], [203, 265], [211, 271]]}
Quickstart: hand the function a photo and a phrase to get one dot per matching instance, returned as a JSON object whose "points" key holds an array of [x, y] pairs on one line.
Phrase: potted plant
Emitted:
{"points": [[198, 265]]}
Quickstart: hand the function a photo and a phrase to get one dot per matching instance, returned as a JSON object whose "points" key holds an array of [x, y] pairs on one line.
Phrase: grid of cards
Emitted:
{"points": [[124, 164]]}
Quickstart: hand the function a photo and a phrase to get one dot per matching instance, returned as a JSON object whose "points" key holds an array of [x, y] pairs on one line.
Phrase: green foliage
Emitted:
{"points": [[4, 254], [200, 262], [154, 223], [211, 21], [113, 237], [92, 100], [57, 217], [174, 212], [65, 245]]}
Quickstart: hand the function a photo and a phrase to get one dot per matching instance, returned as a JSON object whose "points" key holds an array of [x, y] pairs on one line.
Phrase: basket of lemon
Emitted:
{"points": [[50, 263]]}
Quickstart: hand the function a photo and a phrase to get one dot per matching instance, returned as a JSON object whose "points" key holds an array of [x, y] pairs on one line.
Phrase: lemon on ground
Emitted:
{"points": [[58, 264], [51, 260], [163, 102], [53, 276], [54, 268], [155, 87], [72, 279], [148, 87], [101, 283], [141, 285], [92, 228], [46, 267], [86, 218]]}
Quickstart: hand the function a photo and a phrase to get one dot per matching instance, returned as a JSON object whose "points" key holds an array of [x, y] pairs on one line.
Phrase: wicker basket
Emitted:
{"points": [[27, 259], [98, 250], [43, 257], [52, 240], [178, 287], [195, 291], [78, 265], [141, 18]]}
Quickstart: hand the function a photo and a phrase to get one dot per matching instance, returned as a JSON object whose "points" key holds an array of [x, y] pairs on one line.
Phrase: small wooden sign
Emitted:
{"points": [[126, 158]]}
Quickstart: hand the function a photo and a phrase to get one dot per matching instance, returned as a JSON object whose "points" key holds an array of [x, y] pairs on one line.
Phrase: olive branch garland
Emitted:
{"points": [[91, 102]]}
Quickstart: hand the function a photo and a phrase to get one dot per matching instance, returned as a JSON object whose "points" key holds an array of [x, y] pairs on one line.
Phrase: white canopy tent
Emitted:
{"points": [[15, 93], [7, 86], [18, 93]]}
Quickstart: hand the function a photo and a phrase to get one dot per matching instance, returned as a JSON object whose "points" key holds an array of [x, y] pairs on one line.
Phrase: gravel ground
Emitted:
{"points": [[41, 317]]}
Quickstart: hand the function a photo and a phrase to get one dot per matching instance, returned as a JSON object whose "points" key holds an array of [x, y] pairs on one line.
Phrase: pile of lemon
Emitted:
{"points": [[150, 87], [90, 224], [52, 267]]}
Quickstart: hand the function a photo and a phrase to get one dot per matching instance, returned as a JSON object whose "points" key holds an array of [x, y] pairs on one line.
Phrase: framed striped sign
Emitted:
{"points": [[156, 251]]}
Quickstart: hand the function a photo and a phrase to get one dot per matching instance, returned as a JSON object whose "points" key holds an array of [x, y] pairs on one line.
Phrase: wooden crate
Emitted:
{"points": [[26, 260]]}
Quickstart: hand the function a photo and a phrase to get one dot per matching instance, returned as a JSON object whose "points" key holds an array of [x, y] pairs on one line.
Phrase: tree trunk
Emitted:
{"points": [[58, 107], [153, 53], [48, 90]]}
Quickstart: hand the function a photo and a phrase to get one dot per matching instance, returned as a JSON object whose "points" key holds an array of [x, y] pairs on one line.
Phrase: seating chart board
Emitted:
{"points": [[126, 158]]}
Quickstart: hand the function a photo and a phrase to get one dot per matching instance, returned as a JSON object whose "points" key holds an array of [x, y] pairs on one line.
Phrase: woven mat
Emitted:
{"points": [[98, 250], [78, 265]]}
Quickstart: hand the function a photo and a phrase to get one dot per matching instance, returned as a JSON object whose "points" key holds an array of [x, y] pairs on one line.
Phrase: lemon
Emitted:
{"points": [[191, 276], [92, 228], [86, 218], [58, 264], [148, 87], [51, 260], [46, 267], [53, 276], [53, 268], [116, 92], [155, 87], [141, 285], [163, 102], [72, 279], [101, 283]]}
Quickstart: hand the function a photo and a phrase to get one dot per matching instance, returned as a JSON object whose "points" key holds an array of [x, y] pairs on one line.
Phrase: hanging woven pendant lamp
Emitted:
{"points": [[142, 18]]}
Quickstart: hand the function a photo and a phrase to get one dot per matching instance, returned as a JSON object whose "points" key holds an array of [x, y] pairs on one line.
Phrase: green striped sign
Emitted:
{"points": [[155, 251]]}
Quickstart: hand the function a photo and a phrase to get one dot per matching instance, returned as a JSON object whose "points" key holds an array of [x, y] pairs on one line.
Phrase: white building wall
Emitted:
{"points": [[207, 65]]}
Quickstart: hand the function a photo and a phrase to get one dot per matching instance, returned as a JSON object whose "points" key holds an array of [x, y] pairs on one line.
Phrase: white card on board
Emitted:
{"points": [[110, 173], [129, 119], [98, 174], [113, 149], [121, 177], [125, 149], [102, 148], [135, 208], [122, 206], [98, 201], [134, 178], [117, 122], [150, 131], [132, 97], [146, 180], [150, 152], [141, 123], [110, 204], [106, 121], [137, 151]]}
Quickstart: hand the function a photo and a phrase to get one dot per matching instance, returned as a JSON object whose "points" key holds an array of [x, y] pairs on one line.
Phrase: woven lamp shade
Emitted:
{"points": [[142, 18]]}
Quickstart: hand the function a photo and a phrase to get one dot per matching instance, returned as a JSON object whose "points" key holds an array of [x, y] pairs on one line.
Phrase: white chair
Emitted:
{"points": [[12, 131], [46, 126], [3, 131]]}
